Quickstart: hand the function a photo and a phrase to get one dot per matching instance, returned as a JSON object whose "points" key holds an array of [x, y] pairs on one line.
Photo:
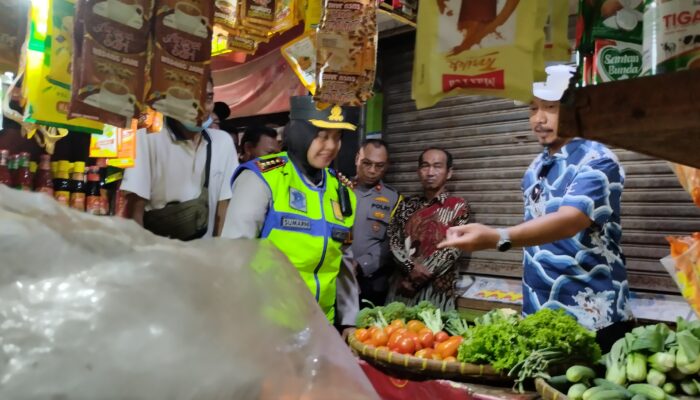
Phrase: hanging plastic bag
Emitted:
{"points": [[484, 47], [689, 178], [685, 252]]}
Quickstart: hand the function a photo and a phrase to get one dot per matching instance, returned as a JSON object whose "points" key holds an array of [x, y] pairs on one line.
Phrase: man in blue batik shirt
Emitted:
{"points": [[571, 235]]}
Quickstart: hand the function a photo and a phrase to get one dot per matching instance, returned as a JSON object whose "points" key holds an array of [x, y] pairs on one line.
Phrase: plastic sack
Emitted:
{"points": [[685, 267], [98, 308], [489, 47]]}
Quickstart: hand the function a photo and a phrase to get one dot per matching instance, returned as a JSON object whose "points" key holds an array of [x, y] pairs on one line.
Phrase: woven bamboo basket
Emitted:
{"points": [[548, 392], [409, 367]]}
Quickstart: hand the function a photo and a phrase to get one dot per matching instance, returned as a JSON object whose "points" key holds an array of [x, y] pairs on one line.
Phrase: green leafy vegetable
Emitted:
{"points": [[432, 320]]}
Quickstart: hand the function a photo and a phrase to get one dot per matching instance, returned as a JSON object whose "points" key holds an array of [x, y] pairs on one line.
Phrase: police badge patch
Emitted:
{"points": [[297, 200]]}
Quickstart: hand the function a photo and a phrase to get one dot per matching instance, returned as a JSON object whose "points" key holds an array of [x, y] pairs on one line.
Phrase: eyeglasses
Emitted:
{"points": [[537, 189]]}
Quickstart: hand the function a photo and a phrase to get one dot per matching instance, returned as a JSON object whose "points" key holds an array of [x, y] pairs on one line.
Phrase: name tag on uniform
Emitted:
{"points": [[340, 235], [296, 223], [381, 207]]}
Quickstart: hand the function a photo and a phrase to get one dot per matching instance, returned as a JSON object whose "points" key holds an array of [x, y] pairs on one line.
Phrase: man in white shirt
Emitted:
{"points": [[170, 168]]}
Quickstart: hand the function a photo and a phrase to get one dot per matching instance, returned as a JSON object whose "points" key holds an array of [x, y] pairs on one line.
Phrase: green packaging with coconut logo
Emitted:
{"points": [[618, 20], [615, 60]]}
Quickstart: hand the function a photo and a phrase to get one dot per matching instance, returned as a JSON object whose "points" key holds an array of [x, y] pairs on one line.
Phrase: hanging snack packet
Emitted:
{"points": [[556, 42], [487, 47], [225, 13], [284, 16], [13, 29], [48, 68], [689, 178], [346, 52], [181, 59], [111, 65], [243, 43], [259, 12], [300, 53]]}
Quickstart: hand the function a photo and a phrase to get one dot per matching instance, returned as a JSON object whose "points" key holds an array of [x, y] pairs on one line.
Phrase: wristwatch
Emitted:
{"points": [[504, 243]]}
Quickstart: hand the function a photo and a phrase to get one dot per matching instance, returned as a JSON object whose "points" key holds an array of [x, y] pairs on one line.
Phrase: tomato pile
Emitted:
{"points": [[412, 338]]}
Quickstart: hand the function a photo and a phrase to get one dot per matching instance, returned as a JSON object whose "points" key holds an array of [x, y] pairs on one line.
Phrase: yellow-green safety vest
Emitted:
{"points": [[306, 223]]}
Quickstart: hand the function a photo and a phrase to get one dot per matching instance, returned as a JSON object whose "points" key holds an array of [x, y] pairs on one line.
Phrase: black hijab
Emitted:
{"points": [[298, 136]]}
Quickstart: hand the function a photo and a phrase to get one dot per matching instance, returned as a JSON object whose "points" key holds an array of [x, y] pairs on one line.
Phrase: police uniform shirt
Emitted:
{"points": [[370, 244]]}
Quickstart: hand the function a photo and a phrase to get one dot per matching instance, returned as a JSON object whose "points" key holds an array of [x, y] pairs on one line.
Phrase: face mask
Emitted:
{"points": [[195, 128]]}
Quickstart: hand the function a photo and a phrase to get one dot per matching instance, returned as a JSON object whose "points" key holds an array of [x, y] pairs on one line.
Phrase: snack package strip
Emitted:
{"points": [[346, 52], [226, 13], [13, 30], [111, 65], [181, 59], [48, 67], [491, 47], [685, 252], [300, 53]]}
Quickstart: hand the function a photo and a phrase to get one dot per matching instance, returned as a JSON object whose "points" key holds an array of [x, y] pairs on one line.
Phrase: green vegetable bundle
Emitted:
{"points": [[651, 362], [528, 347]]}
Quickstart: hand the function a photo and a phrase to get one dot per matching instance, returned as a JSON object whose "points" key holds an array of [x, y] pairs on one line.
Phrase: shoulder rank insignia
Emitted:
{"points": [[344, 180], [270, 164]]}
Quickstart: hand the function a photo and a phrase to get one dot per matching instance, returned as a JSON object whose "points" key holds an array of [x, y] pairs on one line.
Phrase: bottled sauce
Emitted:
{"points": [[12, 165], [33, 167], [24, 177], [104, 189], [77, 192], [93, 202], [5, 177], [43, 181], [61, 184]]}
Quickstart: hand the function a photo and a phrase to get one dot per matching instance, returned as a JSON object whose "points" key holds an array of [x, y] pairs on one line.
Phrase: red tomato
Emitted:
{"points": [[436, 356], [441, 337], [406, 346], [398, 323], [373, 329], [415, 325], [426, 338], [362, 334], [395, 337], [390, 329], [450, 359], [379, 338], [425, 353], [449, 347]]}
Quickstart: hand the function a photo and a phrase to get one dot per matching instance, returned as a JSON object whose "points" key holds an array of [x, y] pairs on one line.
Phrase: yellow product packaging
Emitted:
{"points": [[300, 53], [242, 43], [284, 16], [556, 30], [312, 14], [126, 147], [487, 48], [104, 145], [685, 252], [13, 30], [259, 12], [219, 41], [49, 100]]}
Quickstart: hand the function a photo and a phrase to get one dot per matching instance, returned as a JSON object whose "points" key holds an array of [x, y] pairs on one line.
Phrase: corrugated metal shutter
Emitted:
{"points": [[492, 145]]}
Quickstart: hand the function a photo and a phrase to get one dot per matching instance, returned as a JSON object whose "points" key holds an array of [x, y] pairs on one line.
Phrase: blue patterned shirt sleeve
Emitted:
{"points": [[596, 190]]}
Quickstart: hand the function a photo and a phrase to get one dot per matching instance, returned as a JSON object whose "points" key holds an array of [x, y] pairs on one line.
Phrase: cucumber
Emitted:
{"points": [[576, 391], [579, 373], [650, 391], [560, 383], [590, 392], [639, 397], [608, 394], [606, 383], [670, 388]]}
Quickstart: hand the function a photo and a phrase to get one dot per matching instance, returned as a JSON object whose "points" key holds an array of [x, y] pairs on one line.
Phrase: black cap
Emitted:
{"points": [[331, 117]]}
